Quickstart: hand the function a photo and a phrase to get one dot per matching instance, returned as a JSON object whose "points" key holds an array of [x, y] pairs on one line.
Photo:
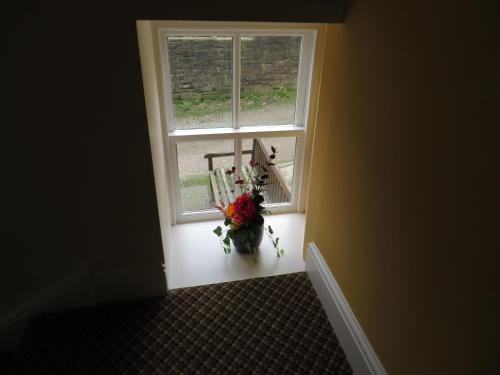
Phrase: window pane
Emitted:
{"points": [[280, 179], [201, 167], [201, 80], [269, 73]]}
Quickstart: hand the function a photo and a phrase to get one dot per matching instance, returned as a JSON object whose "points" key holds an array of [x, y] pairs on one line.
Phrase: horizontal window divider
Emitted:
{"points": [[240, 133]]}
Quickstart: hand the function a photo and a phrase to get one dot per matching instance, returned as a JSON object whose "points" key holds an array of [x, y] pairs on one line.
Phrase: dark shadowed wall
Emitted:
{"points": [[84, 188]]}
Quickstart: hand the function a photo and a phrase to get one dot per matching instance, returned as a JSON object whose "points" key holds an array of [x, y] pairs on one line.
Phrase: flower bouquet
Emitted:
{"points": [[244, 219]]}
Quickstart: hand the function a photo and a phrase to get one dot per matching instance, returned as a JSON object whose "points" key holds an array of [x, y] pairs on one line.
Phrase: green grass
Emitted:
{"points": [[201, 179], [202, 107], [250, 100], [284, 92]]}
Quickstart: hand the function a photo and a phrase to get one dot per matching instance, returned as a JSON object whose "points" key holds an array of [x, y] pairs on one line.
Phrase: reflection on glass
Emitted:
{"points": [[269, 73], [201, 80], [202, 180], [280, 180]]}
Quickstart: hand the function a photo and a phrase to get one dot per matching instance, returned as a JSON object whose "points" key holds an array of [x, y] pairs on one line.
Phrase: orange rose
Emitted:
{"points": [[229, 210]]}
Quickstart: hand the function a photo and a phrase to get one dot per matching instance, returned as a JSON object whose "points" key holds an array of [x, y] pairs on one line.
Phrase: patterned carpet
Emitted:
{"points": [[267, 325]]}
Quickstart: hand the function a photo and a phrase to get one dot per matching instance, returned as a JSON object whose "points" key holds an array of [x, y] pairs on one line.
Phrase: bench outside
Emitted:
{"points": [[223, 186]]}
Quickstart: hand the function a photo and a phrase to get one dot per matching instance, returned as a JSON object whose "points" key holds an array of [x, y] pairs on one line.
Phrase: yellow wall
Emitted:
{"points": [[402, 193]]}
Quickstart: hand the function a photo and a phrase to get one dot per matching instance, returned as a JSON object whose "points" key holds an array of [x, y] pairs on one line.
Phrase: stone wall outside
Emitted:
{"points": [[202, 67]]}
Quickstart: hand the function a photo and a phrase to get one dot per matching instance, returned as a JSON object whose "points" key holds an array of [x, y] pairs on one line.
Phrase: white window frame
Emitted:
{"points": [[237, 132]]}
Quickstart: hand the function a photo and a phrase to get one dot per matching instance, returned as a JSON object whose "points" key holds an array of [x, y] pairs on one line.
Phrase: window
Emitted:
{"points": [[229, 94]]}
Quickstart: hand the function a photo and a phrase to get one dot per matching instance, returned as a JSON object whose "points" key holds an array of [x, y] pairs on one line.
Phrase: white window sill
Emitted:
{"points": [[196, 257]]}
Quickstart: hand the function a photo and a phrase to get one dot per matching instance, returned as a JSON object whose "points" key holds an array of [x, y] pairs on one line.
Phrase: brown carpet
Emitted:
{"points": [[267, 325]]}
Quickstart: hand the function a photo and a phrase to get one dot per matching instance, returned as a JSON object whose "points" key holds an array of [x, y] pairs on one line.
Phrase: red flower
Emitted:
{"points": [[253, 163], [230, 171], [244, 207], [236, 221]]}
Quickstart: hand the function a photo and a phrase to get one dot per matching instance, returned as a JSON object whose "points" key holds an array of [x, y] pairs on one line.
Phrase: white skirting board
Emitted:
{"points": [[72, 291], [357, 348]]}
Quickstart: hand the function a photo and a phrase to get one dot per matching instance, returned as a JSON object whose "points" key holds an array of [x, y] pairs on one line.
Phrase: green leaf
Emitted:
{"points": [[253, 258], [218, 231], [273, 149], [227, 241], [228, 250], [269, 228], [227, 221], [230, 234], [282, 252], [277, 240]]}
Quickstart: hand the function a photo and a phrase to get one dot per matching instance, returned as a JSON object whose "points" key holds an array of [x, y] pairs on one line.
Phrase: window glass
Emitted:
{"points": [[201, 81], [280, 178], [269, 74], [201, 166]]}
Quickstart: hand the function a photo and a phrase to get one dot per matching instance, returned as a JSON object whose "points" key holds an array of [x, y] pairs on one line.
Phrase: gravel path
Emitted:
{"points": [[272, 114]]}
